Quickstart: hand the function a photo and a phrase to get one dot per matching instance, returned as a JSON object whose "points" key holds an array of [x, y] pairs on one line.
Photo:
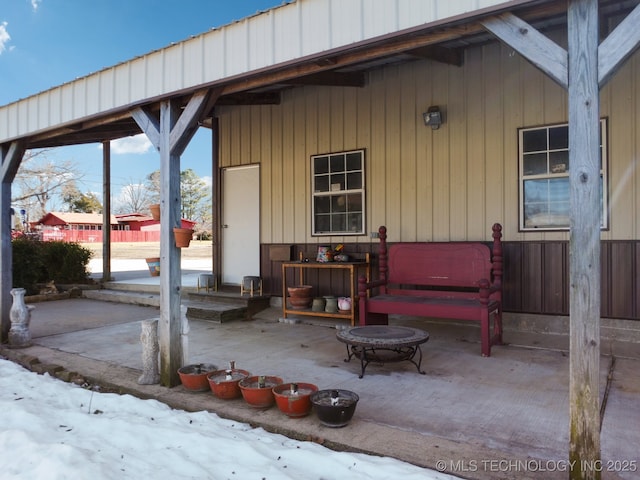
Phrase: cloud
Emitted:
{"points": [[4, 37], [138, 144], [35, 4]]}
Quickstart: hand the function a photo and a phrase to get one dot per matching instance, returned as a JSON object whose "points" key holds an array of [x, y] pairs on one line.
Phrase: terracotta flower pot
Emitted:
{"points": [[224, 383], [294, 399], [182, 236], [300, 291], [300, 296], [257, 391], [155, 211], [194, 377], [154, 266], [334, 408]]}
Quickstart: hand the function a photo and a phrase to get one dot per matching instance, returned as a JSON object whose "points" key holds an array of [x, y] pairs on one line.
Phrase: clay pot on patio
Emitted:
{"points": [[182, 236], [300, 296], [294, 399], [155, 211], [224, 383], [194, 377], [257, 390], [334, 408]]}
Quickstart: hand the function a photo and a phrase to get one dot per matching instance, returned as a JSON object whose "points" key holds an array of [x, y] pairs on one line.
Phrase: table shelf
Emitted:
{"points": [[352, 268]]}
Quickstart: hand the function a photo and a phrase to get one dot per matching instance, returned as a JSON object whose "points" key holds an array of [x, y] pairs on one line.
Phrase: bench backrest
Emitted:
{"points": [[439, 264]]}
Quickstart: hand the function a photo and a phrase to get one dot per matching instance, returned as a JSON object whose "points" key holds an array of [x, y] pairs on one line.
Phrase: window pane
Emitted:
{"points": [[355, 222], [323, 223], [354, 161], [339, 222], [354, 203], [322, 204], [535, 164], [534, 140], [337, 182], [339, 203], [337, 163], [320, 165], [559, 137], [321, 184], [354, 180], [559, 161]]}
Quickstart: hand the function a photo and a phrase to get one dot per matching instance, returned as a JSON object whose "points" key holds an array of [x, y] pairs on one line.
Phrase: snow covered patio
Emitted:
{"points": [[505, 416]]}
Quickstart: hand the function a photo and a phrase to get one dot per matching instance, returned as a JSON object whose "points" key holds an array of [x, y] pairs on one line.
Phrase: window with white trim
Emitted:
{"points": [[337, 187], [544, 177]]}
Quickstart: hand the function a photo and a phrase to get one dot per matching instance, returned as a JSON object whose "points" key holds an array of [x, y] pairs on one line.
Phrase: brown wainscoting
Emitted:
{"points": [[536, 276]]}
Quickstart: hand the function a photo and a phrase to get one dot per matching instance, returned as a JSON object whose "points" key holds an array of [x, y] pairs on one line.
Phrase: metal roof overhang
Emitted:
{"points": [[344, 67]]}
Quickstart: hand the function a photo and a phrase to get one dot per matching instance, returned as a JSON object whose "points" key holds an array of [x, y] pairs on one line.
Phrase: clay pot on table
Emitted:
{"points": [[294, 399], [194, 377], [334, 408], [257, 390]]}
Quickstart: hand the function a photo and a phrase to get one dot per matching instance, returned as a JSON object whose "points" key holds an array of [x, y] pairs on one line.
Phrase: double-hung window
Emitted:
{"points": [[544, 177], [338, 193]]}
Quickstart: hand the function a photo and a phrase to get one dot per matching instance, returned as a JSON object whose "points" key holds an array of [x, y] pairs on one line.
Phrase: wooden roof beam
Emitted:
{"points": [[332, 79], [450, 56]]}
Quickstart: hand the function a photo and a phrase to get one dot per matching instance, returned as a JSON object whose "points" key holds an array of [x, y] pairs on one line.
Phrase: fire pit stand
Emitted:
{"points": [[383, 343]]}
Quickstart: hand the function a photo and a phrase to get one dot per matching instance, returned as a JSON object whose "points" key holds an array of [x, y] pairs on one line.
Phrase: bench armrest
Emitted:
{"points": [[363, 285]]}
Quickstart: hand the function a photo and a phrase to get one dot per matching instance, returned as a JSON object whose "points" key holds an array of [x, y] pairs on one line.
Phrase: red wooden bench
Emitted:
{"points": [[454, 280]]}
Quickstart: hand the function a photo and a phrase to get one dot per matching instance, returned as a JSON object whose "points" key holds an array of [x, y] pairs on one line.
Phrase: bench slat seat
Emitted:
{"points": [[439, 307], [455, 280]]}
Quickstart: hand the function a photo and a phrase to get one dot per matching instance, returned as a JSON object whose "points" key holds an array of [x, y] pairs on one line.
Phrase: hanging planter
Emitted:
{"points": [[154, 266], [155, 211], [182, 236]]}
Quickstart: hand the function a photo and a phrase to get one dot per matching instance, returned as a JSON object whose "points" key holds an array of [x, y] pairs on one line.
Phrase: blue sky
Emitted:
{"points": [[44, 43]]}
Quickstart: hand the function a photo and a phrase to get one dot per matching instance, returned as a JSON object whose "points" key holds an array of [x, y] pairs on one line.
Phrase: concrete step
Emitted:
{"points": [[217, 307], [148, 299]]}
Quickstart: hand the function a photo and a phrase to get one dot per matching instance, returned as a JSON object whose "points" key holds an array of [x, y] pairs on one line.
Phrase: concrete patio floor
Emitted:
{"points": [[506, 416]]}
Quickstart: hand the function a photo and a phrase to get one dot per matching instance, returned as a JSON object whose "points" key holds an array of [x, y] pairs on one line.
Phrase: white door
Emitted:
{"points": [[240, 223]]}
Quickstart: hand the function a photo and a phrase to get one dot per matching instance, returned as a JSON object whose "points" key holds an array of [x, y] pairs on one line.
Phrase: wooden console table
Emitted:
{"points": [[353, 268]]}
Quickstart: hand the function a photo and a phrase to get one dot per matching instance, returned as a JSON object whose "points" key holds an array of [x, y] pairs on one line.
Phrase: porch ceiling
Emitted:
{"points": [[349, 67]]}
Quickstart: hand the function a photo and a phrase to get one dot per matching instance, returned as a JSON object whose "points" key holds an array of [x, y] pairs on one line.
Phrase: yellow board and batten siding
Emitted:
{"points": [[429, 185]]}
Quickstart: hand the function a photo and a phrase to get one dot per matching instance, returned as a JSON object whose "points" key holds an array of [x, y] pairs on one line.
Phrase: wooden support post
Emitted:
{"points": [[170, 134], [10, 156], [106, 211], [584, 244]]}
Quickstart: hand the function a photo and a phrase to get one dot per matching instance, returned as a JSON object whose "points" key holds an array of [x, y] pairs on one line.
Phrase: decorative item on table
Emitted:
{"points": [[339, 255], [344, 304], [325, 254], [194, 377], [224, 383], [294, 399], [334, 408], [257, 390]]}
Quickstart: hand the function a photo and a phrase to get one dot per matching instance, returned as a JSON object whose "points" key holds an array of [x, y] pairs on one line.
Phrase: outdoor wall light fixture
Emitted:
{"points": [[433, 117]]}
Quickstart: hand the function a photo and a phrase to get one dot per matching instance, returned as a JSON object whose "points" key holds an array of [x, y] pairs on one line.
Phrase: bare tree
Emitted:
{"points": [[134, 197], [40, 182]]}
